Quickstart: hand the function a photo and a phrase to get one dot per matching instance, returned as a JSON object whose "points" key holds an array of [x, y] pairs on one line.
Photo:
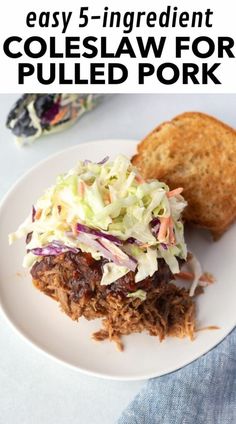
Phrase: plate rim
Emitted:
{"points": [[23, 335]]}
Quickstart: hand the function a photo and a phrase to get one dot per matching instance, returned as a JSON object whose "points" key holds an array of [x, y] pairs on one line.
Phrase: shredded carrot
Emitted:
{"points": [[174, 192], [210, 327], [209, 278], [59, 116], [74, 230], [163, 228], [38, 214], [171, 232], [184, 275], [144, 246], [139, 179], [189, 276], [107, 198], [81, 188]]}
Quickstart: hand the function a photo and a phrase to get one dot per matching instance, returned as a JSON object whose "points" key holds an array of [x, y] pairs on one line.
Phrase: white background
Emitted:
{"points": [[34, 388], [12, 22]]}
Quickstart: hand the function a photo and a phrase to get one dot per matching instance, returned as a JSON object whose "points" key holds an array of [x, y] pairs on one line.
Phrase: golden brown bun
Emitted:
{"points": [[197, 152]]}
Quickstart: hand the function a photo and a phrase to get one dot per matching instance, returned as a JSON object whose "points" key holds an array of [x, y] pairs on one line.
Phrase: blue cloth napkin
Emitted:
{"points": [[203, 392]]}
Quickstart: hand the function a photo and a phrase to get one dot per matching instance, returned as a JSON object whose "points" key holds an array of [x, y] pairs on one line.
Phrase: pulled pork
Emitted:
{"points": [[74, 281]]}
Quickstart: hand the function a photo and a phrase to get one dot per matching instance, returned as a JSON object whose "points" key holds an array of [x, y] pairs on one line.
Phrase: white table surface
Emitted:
{"points": [[33, 388]]}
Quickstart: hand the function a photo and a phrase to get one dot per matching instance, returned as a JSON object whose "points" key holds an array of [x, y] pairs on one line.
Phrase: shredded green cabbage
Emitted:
{"points": [[138, 294]]}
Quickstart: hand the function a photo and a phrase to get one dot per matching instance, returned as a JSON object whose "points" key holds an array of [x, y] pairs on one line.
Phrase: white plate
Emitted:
{"points": [[39, 319]]}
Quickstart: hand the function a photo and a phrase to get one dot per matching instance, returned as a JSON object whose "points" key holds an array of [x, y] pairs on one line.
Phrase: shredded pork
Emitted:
{"points": [[74, 281]]}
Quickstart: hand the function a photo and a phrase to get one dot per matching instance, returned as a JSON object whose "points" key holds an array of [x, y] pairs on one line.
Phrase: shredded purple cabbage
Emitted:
{"points": [[121, 259], [85, 229], [50, 114], [53, 249], [103, 160], [155, 226], [164, 246], [132, 240], [28, 237], [33, 213]]}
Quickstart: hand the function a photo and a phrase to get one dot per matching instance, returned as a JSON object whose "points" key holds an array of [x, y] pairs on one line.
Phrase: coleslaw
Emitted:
{"points": [[108, 210]]}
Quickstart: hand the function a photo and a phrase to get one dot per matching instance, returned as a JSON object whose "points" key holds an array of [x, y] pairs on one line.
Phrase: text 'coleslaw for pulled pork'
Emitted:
{"points": [[108, 210]]}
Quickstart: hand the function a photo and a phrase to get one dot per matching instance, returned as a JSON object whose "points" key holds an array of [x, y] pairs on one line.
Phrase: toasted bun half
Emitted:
{"points": [[197, 152]]}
